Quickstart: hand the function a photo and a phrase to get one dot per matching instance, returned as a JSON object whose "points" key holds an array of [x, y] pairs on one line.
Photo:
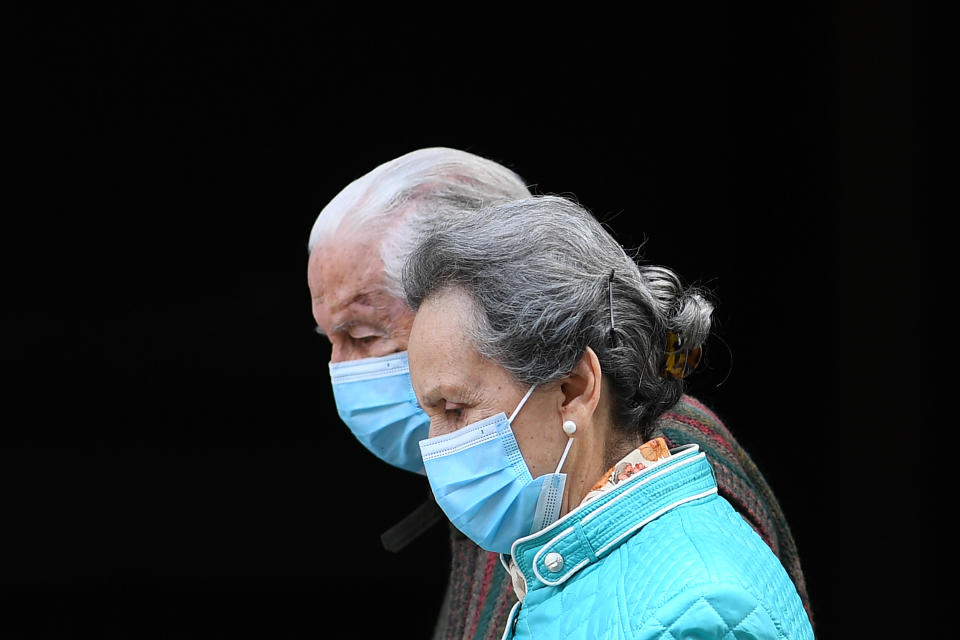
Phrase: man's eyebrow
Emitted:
{"points": [[367, 298], [346, 324]]}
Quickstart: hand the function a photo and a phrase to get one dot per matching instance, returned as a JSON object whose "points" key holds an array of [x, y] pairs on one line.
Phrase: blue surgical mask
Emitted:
{"points": [[376, 400], [481, 481]]}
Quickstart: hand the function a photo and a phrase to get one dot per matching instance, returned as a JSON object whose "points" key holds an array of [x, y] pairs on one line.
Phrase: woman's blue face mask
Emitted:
{"points": [[481, 481], [376, 401]]}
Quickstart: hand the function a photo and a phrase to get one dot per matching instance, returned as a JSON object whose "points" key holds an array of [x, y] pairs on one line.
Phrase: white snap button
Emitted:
{"points": [[553, 561]]}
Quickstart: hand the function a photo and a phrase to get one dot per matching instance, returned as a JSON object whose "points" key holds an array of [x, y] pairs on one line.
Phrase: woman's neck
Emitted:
{"points": [[586, 463]]}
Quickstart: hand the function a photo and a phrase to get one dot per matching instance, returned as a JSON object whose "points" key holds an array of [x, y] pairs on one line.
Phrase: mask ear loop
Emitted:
{"points": [[520, 406], [569, 427]]}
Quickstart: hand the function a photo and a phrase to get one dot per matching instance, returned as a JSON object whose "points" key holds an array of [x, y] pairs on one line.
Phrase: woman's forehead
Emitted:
{"points": [[441, 354], [443, 324]]}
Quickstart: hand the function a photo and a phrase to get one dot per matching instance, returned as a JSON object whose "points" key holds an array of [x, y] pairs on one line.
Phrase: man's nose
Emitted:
{"points": [[341, 351]]}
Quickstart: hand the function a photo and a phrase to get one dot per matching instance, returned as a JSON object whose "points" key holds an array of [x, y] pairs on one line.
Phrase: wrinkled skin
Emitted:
{"points": [[350, 304], [457, 386]]}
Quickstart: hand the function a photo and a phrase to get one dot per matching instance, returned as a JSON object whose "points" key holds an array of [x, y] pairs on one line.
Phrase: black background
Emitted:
{"points": [[172, 463]]}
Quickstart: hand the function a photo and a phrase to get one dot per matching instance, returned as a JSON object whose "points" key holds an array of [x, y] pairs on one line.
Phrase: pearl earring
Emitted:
{"points": [[569, 428]]}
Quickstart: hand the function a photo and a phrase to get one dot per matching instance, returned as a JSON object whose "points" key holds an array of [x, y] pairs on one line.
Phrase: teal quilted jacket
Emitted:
{"points": [[660, 556]]}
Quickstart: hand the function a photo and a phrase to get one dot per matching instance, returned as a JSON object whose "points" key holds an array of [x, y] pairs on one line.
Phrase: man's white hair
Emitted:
{"points": [[398, 199]]}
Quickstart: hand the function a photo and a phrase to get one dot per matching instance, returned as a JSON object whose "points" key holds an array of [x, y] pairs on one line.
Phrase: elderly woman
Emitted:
{"points": [[543, 356]]}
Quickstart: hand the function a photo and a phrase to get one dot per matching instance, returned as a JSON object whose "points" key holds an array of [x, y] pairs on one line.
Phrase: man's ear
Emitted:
{"points": [[581, 389]]}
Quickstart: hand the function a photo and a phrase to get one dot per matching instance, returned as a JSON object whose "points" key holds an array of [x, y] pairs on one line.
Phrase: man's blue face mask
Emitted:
{"points": [[376, 400]]}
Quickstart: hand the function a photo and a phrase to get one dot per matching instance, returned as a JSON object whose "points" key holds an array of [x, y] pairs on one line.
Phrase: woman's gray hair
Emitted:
{"points": [[398, 199], [542, 273]]}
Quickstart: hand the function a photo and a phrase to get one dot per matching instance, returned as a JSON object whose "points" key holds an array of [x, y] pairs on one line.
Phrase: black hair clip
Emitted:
{"points": [[614, 338]]}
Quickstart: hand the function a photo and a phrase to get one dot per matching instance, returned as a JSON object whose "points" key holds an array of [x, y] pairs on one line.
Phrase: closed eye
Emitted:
{"points": [[365, 334], [453, 410]]}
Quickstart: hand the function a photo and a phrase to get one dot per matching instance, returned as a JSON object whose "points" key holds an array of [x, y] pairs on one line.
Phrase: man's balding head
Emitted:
{"points": [[361, 239]]}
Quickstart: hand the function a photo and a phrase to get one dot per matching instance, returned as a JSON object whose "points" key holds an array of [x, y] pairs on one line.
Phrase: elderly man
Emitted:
{"points": [[358, 246]]}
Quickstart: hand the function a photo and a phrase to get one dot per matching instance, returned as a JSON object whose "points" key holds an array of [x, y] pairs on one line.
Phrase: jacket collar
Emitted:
{"points": [[586, 534]]}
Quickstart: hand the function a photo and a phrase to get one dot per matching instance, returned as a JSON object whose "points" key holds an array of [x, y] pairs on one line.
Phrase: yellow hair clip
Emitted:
{"points": [[680, 362]]}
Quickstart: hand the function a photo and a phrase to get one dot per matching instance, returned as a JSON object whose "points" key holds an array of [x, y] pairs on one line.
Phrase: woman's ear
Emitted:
{"points": [[581, 389]]}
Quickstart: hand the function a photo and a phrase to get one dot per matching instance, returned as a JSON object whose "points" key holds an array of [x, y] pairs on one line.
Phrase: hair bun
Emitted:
{"points": [[685, 311], [692, 319]]}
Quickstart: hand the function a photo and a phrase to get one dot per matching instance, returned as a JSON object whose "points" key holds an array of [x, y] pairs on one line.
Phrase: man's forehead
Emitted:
{"points": [[341, 304], [345, 270], [348, 299]]}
